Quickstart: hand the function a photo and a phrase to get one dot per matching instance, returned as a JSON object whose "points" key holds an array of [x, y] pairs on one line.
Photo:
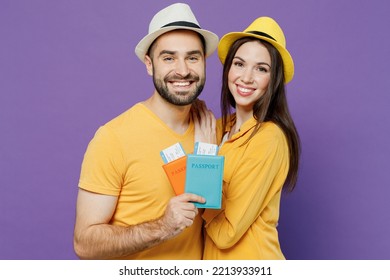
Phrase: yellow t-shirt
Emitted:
{"points": [[254, 175], [123, 159]]}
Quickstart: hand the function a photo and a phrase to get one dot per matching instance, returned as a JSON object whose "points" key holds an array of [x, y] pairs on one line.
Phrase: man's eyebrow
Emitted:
{"points": [[194, 52], [166, 52]]}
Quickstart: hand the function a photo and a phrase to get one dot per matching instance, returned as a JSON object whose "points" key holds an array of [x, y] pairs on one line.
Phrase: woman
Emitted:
{"points": [[259, 141]]}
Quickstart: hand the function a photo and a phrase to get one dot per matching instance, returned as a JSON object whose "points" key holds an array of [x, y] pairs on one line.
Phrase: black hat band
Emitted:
{"points": [[261, 34], [182, 23]]}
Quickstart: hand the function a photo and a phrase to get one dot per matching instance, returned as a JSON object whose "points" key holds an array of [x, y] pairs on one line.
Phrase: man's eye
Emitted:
{"points": [[168, 59], [193, 58]]}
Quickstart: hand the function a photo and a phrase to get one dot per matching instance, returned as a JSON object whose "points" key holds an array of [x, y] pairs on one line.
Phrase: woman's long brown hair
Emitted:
{"points": [[272, 106]]}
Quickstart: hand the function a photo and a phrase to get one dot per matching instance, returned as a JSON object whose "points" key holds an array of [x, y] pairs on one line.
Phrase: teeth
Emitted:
{"points": [[244, 89], [181, 84]]}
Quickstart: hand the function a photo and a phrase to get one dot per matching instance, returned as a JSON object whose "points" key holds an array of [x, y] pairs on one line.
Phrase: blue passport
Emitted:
{"points": [[204, 175]]}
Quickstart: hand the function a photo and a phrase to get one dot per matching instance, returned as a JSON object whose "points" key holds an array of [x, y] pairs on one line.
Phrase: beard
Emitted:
{"points": [[180, 98]]}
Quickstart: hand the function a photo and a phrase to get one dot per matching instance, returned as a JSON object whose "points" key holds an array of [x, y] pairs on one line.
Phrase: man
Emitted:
{"points": [[126, 208]]}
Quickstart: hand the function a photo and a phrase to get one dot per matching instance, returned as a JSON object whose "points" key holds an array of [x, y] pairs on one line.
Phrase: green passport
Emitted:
{"points": [[204, 175]]}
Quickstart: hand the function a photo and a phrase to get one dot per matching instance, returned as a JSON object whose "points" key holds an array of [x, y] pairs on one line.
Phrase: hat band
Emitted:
{"points": [[261, 34], [182, 23]]}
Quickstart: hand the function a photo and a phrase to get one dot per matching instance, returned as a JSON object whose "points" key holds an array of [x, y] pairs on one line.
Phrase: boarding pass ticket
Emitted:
{"points": [[205, 149], [172, 153]]}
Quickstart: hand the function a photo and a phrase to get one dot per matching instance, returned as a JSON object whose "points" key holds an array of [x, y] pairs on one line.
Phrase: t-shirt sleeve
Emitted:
{"points": [[103, 164]]}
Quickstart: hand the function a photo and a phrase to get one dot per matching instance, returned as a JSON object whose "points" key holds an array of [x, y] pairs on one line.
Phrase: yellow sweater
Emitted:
{"points": [[254, 175]]}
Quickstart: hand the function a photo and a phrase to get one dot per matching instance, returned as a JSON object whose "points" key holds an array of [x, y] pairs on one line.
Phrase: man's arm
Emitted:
{"points": [[94, 238]]}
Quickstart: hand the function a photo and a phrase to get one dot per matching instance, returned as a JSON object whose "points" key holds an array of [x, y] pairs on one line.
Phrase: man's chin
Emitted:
{"points": [[182, 102]]}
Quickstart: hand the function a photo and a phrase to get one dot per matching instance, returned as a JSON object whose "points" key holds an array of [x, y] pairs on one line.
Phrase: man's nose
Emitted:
{"points": [[182, 68]]}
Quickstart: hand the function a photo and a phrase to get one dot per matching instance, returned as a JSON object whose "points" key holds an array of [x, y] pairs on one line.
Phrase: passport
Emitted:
{"points": [[176, 173], [204, 176]]}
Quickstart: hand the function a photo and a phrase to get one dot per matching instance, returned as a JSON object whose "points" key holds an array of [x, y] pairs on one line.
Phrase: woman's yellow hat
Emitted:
{"points": [[264, 28]]}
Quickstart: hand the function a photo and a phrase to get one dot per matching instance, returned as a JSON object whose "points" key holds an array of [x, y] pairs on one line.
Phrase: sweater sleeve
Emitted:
{"points": [[259, 176]]}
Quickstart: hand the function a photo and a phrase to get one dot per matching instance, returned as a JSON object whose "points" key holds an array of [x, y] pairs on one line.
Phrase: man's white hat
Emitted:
{"points": [[175, 16]]}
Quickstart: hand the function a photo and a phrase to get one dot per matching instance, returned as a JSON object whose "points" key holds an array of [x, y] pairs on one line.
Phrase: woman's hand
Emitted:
{"points": [[205, 123]]}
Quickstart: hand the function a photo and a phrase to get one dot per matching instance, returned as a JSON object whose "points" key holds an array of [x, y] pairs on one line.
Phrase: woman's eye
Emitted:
{"points": [[262, 69], [238, 64]]}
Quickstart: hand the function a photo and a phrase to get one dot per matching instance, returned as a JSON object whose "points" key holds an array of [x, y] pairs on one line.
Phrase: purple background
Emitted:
{"points": [[67, 67]]}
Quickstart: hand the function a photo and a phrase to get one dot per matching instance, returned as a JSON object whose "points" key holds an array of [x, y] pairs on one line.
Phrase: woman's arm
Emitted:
{"points": [[259, 176], [205, 123]]}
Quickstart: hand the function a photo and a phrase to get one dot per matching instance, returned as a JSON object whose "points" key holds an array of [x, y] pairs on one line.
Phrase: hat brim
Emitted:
{"points": [[227, 40], [142, 47]]}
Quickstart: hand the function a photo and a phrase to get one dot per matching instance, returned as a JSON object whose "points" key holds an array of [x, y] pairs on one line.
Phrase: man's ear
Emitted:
{"points": [[149, 65]]}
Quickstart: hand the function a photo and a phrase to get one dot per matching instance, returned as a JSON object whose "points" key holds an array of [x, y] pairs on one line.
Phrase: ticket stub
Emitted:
{"points": [[172, 152], [205, 149]]}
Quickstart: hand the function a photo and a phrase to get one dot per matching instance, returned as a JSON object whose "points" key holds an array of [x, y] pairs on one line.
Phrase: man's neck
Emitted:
{"points": [[176, 117]]}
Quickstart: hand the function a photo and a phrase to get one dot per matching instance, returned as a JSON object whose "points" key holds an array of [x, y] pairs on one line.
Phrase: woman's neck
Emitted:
{"points": [[241, 117]]}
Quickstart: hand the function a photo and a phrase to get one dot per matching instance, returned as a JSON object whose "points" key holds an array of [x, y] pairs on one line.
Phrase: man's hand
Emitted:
{"points": [[180, 213]]}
